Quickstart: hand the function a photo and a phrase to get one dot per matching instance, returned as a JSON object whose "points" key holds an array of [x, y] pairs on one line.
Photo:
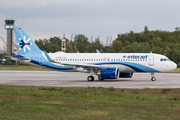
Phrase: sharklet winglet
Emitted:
{"points": [[47, 56]]}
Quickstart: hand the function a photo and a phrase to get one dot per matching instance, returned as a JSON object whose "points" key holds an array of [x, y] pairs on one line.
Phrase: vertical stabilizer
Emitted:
{"points": [[24, 42]]}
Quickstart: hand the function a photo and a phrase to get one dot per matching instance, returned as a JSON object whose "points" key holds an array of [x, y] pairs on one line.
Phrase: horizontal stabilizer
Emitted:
{"points": [[20, 57]]}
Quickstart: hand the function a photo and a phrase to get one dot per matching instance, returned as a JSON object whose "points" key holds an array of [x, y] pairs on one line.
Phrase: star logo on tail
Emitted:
{"points": [[24, 44]]}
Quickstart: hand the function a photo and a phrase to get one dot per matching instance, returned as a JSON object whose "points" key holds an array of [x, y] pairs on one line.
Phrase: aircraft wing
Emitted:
{"points": [[87, 66], [81, 65]]}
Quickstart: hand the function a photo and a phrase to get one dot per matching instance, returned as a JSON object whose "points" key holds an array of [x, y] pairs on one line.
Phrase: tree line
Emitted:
{"points": [[158, 41]]}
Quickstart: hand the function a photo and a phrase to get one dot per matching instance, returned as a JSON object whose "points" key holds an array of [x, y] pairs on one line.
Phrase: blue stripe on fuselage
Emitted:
{"points": [[134, 66]]}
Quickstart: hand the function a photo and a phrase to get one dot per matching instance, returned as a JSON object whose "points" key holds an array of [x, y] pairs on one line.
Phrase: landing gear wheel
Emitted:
{"points": [[100, 79], [90, 78], [153, 79]]}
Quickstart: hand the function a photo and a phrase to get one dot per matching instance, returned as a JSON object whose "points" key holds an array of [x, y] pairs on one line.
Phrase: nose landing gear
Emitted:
{"points": [[153, 77]]}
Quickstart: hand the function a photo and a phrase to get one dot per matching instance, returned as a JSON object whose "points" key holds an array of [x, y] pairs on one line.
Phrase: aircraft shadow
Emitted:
{"points": [[104, 81]]}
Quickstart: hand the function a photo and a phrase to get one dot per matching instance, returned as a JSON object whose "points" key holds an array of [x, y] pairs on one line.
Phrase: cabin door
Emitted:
{"points": [[151, 60]]}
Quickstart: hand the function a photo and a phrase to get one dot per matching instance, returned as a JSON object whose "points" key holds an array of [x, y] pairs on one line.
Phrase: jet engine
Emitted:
{"points": [[109, 73]]}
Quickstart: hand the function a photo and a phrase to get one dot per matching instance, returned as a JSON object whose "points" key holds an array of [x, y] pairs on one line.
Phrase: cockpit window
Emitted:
{"points": [[164, 59]]}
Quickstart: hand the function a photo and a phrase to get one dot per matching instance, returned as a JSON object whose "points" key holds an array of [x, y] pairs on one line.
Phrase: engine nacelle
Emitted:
{"points": [[109, 73], [125, 75]]}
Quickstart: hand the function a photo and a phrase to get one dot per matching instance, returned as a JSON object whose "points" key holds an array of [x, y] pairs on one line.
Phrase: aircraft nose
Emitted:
{"points": [[173, 65]]}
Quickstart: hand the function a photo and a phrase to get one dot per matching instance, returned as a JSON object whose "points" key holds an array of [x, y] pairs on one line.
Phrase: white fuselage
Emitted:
{"points": [[126, 62]]}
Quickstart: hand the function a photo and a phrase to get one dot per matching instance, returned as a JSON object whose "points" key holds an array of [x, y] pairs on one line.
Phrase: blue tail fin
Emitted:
{"points": [[24, 42]]}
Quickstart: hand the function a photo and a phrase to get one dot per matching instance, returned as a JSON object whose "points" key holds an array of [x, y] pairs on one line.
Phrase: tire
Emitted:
{"points": [[153, 79], [100, 79], [90, 78]]}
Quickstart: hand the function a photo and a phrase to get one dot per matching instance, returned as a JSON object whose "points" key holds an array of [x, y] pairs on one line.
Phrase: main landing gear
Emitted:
{"points": [[153, 77], [91, 78], [100, 79]]}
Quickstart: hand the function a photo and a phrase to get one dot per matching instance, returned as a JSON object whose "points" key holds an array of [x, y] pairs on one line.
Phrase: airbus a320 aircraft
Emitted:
{"points": [[104, 65]]}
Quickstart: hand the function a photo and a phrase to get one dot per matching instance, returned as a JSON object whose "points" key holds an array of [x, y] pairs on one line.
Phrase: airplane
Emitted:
{"points": [[104, 65]]}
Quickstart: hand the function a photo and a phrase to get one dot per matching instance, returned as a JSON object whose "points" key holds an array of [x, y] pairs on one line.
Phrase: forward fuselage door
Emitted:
{"points": [[151, 60]]}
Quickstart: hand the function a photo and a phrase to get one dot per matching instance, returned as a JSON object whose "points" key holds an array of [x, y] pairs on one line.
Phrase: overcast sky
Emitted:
{"points": [[49, 18]]}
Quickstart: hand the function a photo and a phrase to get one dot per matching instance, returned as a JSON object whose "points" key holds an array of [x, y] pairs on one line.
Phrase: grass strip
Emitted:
{"points": [[21, 67], [177, 70], [35, 103]]}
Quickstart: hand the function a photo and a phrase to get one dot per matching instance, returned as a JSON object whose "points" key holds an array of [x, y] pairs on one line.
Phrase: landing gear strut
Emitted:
{"points": [[100, 79], [153, 77], [90, 78]]}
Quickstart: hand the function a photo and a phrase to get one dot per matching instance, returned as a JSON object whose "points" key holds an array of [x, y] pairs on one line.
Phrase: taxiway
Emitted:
{"points": [[73, 79]]}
